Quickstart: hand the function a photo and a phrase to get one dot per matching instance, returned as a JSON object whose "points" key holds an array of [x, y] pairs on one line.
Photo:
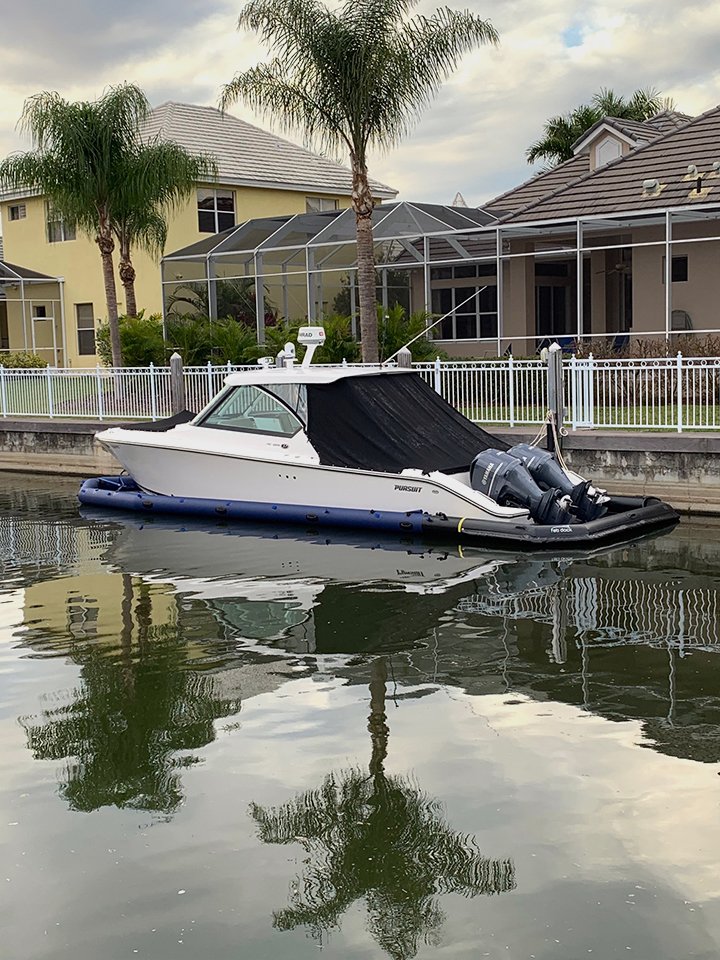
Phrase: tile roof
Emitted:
{"points": [[539, 186], [618, 186], [249, 156], [636, 130], [669, 120], [548, 182]]}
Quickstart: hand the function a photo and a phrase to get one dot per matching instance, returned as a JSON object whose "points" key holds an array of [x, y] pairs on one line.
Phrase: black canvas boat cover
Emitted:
{"points": [[390, 422]]}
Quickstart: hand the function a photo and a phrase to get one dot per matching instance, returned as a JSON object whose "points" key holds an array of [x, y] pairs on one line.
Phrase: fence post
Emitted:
{"points": [[679, 393], [556, 393], [3, 393], [177, 384], [48, 380], [438, 381], [99, 391], [590, 413], [572, 413], [153, 392], [511, 389], [404, 358], [210, 391]]}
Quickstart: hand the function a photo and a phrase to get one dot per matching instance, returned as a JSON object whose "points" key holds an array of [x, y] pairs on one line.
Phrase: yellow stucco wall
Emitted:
{"points": [[78, 261]]}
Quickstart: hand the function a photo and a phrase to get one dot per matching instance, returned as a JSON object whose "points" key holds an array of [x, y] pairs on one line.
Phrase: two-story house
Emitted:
{"points": [[51, 287]]}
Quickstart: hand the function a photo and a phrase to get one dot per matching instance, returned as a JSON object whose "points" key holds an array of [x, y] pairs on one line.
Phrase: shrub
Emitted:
{"points": [[141, 341], [339, 343], [232, 341], [189, 335], [22, 361], [395, 329]]}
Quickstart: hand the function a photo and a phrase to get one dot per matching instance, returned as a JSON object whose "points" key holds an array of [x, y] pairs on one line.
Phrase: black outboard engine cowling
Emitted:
{"points": [[587, 504], [506, 480]]}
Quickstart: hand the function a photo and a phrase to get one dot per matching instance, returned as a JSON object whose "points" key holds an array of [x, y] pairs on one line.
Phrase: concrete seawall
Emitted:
{"points": [[683, 469]]}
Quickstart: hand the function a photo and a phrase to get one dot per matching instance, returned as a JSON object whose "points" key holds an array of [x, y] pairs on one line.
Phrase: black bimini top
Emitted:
{"points": [[391, 422]]}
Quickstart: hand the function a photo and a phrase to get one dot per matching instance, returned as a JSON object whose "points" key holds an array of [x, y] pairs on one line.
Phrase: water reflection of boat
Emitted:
{"points": [[603, 632]]}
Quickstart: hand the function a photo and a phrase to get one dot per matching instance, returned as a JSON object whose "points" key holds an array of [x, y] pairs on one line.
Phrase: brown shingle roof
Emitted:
{"points": [[618, 186]]}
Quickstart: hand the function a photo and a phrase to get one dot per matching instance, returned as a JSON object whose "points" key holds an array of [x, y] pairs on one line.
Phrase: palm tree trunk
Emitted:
{"points": [[106, 244], [363, 203], [127, 277]]}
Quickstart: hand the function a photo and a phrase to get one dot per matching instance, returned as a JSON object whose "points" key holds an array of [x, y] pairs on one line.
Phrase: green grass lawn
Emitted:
{"points": [[75, 396], [640, 417]]}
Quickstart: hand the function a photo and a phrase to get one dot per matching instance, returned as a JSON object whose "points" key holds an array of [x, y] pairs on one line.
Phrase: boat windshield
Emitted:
{"points": [[250, 409]]}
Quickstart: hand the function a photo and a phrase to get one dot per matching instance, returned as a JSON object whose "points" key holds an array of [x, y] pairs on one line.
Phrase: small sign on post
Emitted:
{"points": [[556, 395]]}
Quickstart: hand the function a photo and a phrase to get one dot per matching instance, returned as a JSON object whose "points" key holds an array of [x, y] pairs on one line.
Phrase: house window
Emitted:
{"points": [[678, 268], [18, 211], [85, 317], [320, 204], [216, 210], [58, 229], [476, 319]]}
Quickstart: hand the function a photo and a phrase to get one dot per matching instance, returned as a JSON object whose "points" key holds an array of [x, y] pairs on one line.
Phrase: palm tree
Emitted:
{"points": [[156, 177], [351, 78], [560, 132], [77, 151], [381, 839]]}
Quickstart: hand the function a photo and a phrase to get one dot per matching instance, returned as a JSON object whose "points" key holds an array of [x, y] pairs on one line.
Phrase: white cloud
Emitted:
{"points": [[553, 55]]}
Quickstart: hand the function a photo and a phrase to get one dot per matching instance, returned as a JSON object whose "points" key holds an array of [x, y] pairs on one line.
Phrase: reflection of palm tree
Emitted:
{"points": [[129, 718], [380, 838]]}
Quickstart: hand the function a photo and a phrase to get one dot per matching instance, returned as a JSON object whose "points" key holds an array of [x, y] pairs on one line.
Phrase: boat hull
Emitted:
{"points": [[627, 518]]}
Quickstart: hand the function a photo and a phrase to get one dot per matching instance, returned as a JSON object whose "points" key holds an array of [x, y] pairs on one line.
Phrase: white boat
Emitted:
{"points": [[368, 447]]}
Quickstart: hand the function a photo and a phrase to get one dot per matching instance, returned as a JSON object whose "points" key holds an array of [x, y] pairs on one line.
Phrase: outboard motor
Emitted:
{"points": [[587, 503], [507, 481]]}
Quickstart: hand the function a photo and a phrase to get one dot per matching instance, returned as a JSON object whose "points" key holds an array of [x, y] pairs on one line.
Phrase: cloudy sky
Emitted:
{"points": [[553, 54]]}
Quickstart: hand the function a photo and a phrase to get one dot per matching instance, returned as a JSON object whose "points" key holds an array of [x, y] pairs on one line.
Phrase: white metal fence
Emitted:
{"points": [[671, 393]]}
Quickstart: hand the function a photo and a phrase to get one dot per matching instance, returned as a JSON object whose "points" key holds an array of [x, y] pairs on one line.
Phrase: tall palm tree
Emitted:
{"points": [[78, 148], [377, 838], [560, 132], [156, 177], [350, 78]]}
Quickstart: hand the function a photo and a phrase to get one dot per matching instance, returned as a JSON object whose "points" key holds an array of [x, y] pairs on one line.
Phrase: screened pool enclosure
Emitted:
{"points": [[305, 266], [501, 286]]}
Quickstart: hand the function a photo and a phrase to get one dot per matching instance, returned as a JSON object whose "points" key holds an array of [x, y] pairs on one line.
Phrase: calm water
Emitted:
{"points": [[229, 743]]}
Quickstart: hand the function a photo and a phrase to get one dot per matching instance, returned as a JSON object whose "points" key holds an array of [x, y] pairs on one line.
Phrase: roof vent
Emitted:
{"points": [[692, 170], [652, 187]]}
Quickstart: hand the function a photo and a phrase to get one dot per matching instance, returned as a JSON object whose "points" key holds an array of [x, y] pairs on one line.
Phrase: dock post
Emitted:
{"points": [[404, 357], [556, 394], [177, 385]]}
